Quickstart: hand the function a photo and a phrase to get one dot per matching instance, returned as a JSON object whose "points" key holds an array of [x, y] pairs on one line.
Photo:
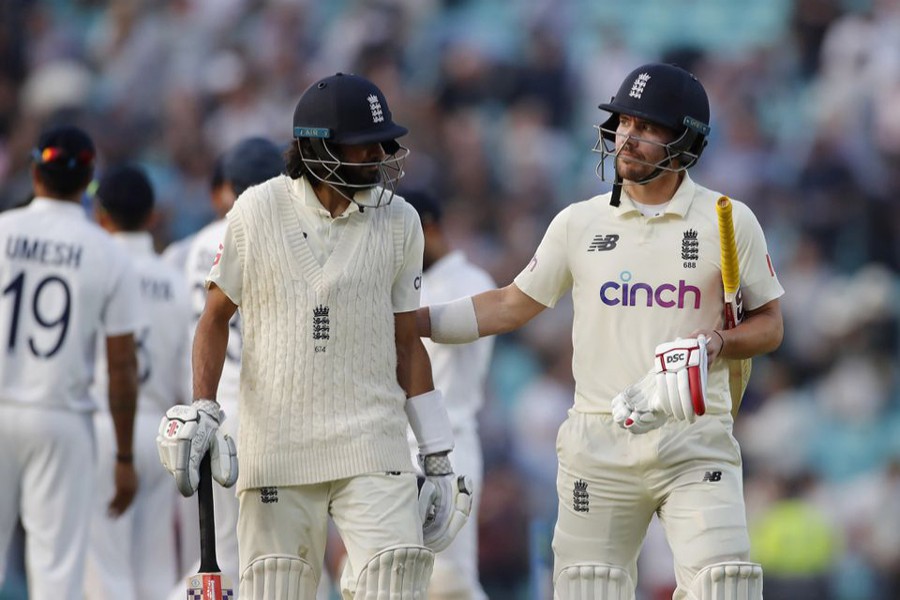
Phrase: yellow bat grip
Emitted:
{"points": [[731, 278]]}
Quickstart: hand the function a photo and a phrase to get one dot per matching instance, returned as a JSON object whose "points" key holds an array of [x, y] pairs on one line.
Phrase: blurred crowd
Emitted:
{"points": [[500, 98]]}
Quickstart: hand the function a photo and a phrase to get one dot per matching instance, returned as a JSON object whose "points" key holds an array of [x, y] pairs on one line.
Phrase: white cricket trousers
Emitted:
{"points": [[610, 483], [131, 557], [47, 475], [371, 512]]}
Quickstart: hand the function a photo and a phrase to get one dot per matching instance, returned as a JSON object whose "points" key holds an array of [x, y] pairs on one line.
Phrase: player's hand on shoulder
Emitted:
{"points": [[185, 434], [681, 372], [631, 408], [445, 501]]}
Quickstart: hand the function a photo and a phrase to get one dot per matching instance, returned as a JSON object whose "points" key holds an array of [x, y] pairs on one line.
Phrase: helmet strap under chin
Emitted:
{"points": [[616, 191]]}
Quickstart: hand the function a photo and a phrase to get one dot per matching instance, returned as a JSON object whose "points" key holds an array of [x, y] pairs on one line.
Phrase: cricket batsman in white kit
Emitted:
{"points": [[651, 426], [325, 265], [64, 286]]}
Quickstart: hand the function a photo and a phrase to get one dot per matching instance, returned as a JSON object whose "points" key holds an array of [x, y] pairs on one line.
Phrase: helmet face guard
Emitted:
{"points": [[327, 167], [680, 154]]}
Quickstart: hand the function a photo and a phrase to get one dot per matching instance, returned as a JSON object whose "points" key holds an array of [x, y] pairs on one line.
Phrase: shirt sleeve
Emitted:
{"points": [[548, 276], [407, 288], [122, 313], [227, 271], [759, 283]]}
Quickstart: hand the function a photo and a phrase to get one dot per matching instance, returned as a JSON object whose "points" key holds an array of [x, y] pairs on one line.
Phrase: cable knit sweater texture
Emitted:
{"points": [[319, 394]]}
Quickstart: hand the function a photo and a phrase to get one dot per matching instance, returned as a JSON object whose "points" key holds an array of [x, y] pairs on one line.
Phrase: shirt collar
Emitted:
{"points": [[679, 205], [137, 242], [43, 203], [302, 190]]}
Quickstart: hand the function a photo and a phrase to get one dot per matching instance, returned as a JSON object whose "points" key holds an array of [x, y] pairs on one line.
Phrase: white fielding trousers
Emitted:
{"points": [[132, 557], [47, 475]]}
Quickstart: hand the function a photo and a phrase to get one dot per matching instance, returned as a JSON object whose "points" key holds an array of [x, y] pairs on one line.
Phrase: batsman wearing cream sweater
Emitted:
{"points": [[325, 264]]}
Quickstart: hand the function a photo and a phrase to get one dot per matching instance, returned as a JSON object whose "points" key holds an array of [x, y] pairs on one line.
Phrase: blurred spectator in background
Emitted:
{"points": [[795, 543]]}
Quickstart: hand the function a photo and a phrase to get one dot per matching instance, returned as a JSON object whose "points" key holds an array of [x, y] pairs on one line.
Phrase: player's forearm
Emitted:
{"points": [[495, 313], [504, 310], [465, 320], [414, 369], [208, 356], [413, 364], [122, 391], [761, 332]]}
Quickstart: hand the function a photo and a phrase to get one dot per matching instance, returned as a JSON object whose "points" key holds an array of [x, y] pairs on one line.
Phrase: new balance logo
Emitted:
{"points": [[603, 242], [581, 500], [268, 495], [712, 476]]}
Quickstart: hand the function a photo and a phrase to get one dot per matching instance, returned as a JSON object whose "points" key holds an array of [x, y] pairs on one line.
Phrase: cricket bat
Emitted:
{"points": [[738, 370], [209, 583]]}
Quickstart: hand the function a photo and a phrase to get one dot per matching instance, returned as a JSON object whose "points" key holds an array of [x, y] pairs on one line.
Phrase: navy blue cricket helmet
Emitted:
{"points": [[665, 95], [346, 109]]}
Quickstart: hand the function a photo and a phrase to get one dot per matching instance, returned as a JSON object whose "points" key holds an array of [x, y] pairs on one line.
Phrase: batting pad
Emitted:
{"points": [[396, 572], [593, 581], [728, 581], [278, 577]]}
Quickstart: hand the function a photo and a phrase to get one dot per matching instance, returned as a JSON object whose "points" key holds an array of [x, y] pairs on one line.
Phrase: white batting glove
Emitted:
{"points": [[445, 501], [185, 434], [223, 459], [681, 372], [631, 408]]}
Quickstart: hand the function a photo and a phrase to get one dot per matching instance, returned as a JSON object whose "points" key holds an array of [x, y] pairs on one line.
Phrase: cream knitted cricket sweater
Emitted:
{"points": [[319, 394]]}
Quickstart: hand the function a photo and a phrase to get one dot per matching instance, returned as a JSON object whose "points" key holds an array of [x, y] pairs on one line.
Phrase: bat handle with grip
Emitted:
{"points": [[208, 562]]}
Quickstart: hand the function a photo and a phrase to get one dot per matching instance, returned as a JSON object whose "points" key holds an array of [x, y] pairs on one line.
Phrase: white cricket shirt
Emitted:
{"points": [[163, 349], [176, 253], [459, 370], [638, 281], [64, 284]]}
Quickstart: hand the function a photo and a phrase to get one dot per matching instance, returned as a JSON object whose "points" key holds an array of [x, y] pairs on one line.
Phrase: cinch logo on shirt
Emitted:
{"points": [[666, 295]]}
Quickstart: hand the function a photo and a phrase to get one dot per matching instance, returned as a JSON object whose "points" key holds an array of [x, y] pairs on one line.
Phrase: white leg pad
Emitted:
{"points": [[593, 581], [278, 577], [728, 581], [396, 573]]}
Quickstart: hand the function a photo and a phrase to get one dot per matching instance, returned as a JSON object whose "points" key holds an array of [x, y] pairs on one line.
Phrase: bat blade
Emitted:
{"points": [[738, 370], [209, 583]]}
